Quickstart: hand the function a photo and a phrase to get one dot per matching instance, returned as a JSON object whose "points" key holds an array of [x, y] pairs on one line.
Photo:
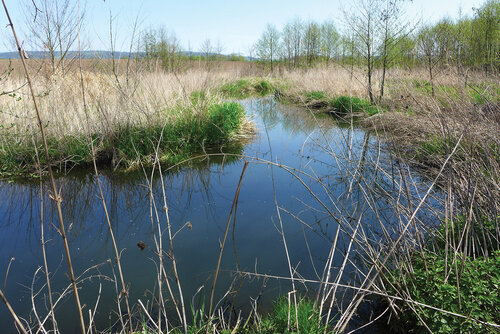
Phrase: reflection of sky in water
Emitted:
{"points": [[203, 196]]}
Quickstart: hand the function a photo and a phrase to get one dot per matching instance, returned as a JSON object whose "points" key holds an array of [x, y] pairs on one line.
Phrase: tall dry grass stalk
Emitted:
{"points": [[109, 104], [55, 193], [334, 80], [124, 293], [14, 315]]}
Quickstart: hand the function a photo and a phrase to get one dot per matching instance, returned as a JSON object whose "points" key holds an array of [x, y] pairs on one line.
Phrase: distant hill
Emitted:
{"points": [[71, 54], [93, 54]]}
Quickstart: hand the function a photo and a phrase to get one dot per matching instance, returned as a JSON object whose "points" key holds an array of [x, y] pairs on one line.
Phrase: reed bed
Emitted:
{"points": [[116, 104], [110, 103]]}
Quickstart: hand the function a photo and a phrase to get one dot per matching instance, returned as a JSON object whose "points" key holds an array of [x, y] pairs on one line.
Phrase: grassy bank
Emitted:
{"points": [[251, 86], [340, 105], [284, 91], [190, 131], [124, 121]]}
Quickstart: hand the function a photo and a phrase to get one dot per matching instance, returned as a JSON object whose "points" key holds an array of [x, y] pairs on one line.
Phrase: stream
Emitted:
{"points": [[317, 178]]}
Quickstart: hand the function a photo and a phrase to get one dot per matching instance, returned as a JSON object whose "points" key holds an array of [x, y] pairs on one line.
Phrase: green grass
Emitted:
{"points": [[245, 88], [482, 233], [480, 93], [435, 148], [341, 105], [273, 323], [422, 85], [264, 87], [316, 95], [198, 96], [237, 89], [307, 315], [176, 140], [348, 104], [435, 145]]}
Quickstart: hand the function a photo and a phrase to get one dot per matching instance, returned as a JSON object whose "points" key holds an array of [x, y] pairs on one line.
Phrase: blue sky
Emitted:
{"points": [[236, 24]]}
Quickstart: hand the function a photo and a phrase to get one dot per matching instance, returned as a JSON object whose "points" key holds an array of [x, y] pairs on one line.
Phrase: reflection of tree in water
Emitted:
{"points": [[354, 164], [290, 118], [124, 194]]}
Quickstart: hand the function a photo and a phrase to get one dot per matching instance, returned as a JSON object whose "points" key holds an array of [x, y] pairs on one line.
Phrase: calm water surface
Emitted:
{"points": [[201, 194]]}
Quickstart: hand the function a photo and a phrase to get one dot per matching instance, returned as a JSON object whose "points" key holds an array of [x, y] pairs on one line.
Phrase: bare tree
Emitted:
{"points": [[297, 37], [312, 42], [427, 47], [53, 28], [207, 50], [329, 40], [377, 26], [219, 48], [287, 44], [394, 27], [268, 45], [361, 19], [251, 53]]}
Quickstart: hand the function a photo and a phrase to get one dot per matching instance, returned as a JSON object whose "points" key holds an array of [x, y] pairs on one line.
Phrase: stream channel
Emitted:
{"points": [[335, 163]]}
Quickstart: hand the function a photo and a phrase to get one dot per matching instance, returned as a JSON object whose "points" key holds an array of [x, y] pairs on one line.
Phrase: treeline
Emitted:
{"points": [[162, 49], [378, 34], [464, 42], [374, 34]]}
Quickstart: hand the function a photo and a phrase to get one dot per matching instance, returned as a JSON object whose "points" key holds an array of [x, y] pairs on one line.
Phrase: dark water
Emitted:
{"points": [[201, 194]]}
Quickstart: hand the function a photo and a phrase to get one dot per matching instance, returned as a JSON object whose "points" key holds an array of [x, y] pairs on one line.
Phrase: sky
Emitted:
{"points": [[236, 25]]}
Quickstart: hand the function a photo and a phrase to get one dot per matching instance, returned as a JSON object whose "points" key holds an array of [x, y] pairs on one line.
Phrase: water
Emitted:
{"points": [[316, 150]]}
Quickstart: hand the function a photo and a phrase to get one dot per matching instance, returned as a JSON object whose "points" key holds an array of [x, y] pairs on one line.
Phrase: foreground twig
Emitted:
{"points": [[16, 319], [216, 274]]}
